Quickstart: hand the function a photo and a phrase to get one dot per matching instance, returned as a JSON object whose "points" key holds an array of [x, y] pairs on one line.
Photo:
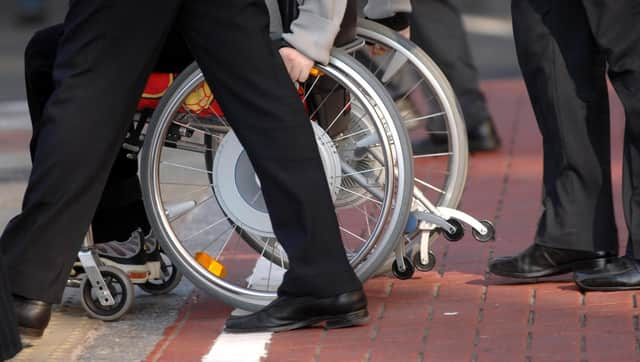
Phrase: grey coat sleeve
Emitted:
{"points": [[380, 9], [315, 29]]}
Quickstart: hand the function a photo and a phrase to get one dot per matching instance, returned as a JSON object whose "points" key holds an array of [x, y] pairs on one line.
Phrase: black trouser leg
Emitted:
{"points": [[263, 108], [121, 209], [436, 26], [564, 73], [39, 56], [9, 338], [616, 28], [83, 126]]}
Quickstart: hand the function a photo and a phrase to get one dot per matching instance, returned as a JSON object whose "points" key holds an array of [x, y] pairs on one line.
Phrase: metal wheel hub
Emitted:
{"points": [[238, 190]]}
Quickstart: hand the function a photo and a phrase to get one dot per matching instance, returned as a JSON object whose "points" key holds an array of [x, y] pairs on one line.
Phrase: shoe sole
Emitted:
{"points": [[558, 270], [605, 289], [332, 322], [31, 332]]}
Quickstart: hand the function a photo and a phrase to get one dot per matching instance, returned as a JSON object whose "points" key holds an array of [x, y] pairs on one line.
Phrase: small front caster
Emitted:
{"points": [[489, 235], [419, 265], [121, 289], [408, 269], [457, 234], [168, 281]]}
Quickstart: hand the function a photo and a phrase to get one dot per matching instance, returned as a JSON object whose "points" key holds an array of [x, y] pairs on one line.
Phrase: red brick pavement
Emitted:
{"points": [[459, 313]]}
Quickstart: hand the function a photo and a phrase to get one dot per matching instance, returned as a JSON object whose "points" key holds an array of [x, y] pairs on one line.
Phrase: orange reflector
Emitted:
{"points": [[137, 275], [315, 72], [212, 265]]}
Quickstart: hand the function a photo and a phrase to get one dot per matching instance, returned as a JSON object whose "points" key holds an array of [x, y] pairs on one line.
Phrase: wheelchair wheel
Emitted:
{"points": [[224, 243], [429, 110], [169, 280], [121, 290]]}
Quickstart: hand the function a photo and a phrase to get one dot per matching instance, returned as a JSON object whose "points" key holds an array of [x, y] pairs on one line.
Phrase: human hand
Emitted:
{"points": [[406, 32], [298, 65]]}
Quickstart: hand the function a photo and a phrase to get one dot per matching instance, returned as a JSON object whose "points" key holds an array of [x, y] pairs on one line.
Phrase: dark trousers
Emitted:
{"points": [[564, 49], [9, 337], [104, 59], [436, 26], [121, 209]]}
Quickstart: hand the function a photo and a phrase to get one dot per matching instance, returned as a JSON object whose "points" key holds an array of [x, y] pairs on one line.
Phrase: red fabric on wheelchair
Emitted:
{"points": [[200, 102]]}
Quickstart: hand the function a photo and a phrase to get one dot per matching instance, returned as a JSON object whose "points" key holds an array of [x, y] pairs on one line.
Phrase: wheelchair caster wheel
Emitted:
{"points": [[457, 234], [490, 235], [419, 265], [121, 290], [169, 280], [408, 271]]}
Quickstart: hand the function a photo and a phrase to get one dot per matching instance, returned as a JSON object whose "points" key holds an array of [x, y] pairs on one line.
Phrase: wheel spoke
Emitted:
{"points": [[352, 234], [326, 98], [206, 228], [350, 135], [308, 92], [426, 184], [412, 89], [360, 195], [198, 204], [361, 172], [183, 184], [226, 241], [185, 167], [346, 106], [425, 117], [442, 154]]}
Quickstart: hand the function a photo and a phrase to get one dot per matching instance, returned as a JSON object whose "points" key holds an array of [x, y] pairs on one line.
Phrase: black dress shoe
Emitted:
{"points": [[542, 261], [617, 274], [33, 316], [481, 138], [287, 313], [484, 137]]}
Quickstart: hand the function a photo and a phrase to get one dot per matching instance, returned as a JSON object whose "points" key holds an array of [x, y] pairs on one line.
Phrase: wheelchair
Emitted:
{"points": [[107, 287], [378, 91]]}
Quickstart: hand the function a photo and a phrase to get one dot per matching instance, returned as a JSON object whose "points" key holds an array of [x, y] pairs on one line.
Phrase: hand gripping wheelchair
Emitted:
{"points": [[203, 198]]}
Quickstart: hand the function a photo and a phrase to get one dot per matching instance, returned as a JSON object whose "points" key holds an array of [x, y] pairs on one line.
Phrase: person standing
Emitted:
{"points": [[436, 27], [82, 130], [564, 63]]}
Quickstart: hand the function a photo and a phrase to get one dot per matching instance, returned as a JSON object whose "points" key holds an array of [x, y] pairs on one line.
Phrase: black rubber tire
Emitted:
{"points": [[417, 262], [121, 289], [407, 273], [489, 236], [457, 234]]}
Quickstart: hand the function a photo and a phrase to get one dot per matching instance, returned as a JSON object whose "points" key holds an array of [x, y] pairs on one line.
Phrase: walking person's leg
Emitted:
{"points": [[121, 210], [83, 126], [616, 28], [263, 108], [436, 26], [564, 73]]}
